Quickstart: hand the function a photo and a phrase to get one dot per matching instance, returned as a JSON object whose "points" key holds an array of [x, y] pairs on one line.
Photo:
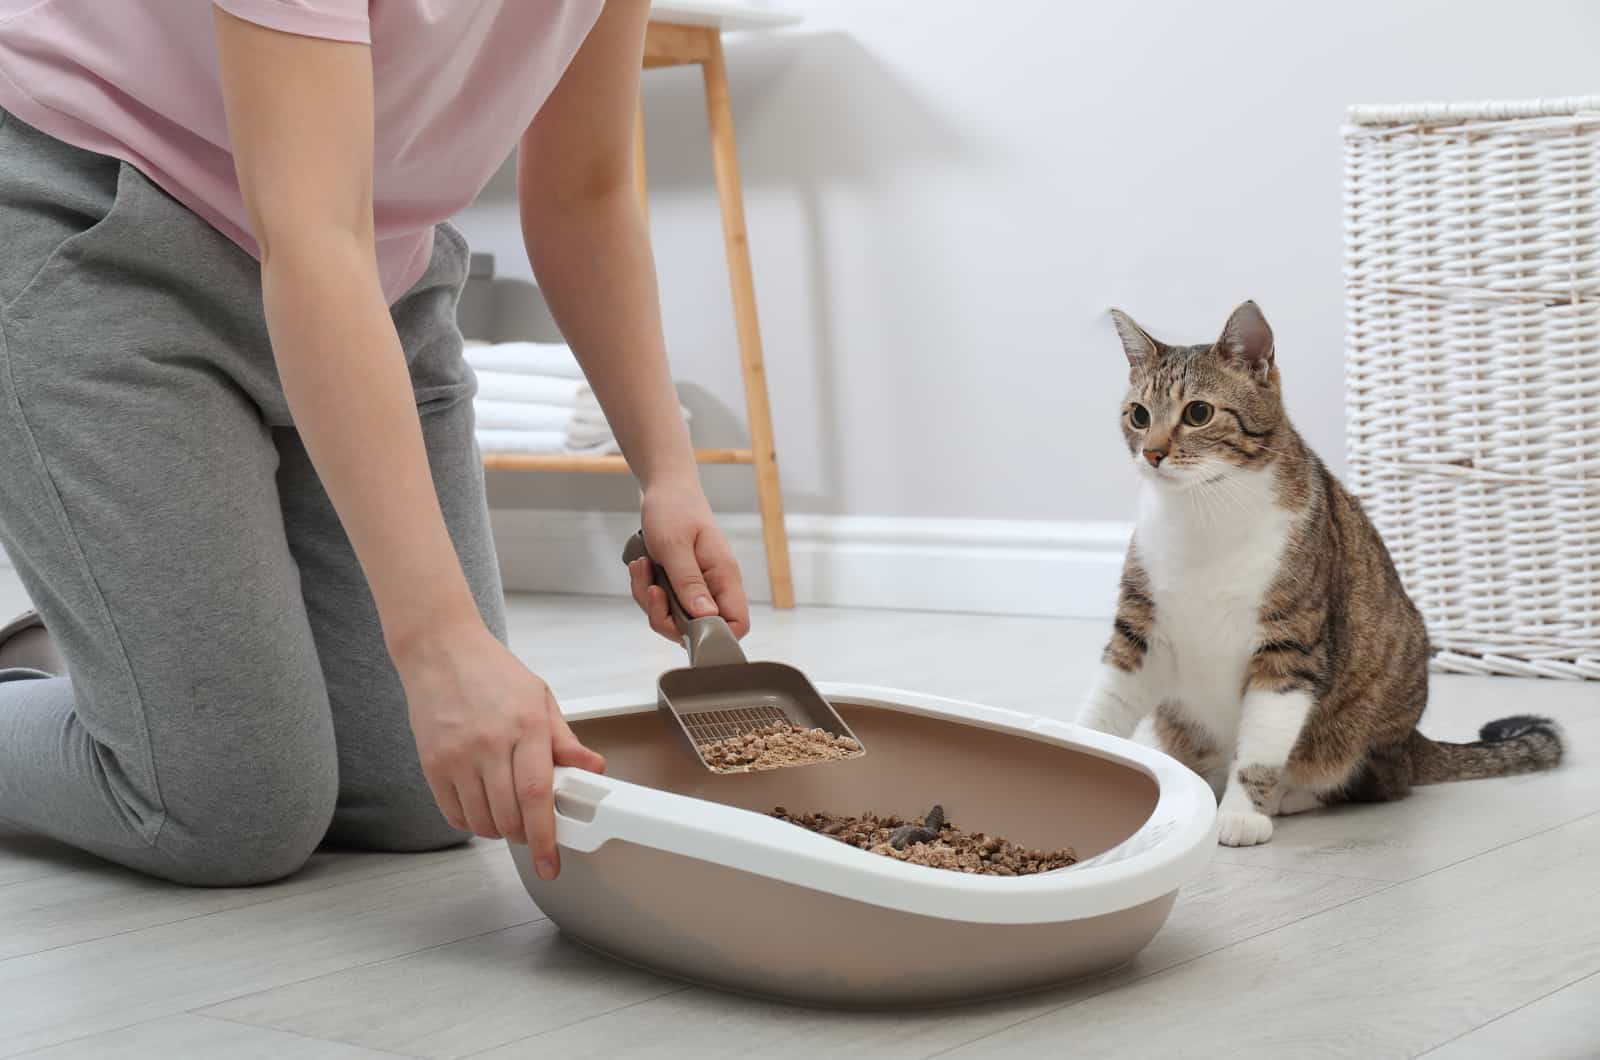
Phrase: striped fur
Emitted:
{"points": [[1260, 614]]}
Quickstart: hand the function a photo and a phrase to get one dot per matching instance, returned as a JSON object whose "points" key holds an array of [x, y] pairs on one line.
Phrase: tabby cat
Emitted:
{"points": [[1261, 621]]}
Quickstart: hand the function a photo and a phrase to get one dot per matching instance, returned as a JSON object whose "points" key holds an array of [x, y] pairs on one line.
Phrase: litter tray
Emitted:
{"points": [[663, 865]]}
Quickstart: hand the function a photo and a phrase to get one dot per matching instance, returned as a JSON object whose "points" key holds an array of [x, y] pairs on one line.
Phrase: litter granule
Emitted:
{"points": [[933, 841], [775, 746]]}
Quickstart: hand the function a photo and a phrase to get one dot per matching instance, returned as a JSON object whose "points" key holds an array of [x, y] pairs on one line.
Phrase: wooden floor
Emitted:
{"points": [[1464, 922]]}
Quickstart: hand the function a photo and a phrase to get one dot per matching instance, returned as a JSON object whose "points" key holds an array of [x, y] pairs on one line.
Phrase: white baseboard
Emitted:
{"points": [[983, 566], [1062, 569]]}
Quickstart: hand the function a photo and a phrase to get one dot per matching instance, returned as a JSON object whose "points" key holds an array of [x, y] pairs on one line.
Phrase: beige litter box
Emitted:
{"points": [[664, 865]]}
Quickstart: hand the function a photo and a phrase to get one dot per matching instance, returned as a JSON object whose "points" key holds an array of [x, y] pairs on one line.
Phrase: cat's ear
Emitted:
{"points": [[1136, 342], [1247, 340]]}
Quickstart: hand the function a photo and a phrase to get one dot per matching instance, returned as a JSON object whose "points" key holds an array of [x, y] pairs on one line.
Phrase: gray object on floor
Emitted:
{"points": [[230, 700]]}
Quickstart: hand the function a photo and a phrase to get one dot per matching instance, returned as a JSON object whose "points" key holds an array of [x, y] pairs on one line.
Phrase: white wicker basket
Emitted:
{"points": [[1472, 272]]}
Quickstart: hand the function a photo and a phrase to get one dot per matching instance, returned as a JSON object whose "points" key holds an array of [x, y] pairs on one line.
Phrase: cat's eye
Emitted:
{"points": [[1198, 413], [1139, 416]]}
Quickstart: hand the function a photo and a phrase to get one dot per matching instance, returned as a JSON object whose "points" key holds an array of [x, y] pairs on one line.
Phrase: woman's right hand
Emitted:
{"points": [[489, 733]]}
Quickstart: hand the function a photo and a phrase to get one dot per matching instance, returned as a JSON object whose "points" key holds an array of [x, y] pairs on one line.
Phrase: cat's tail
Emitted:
{"points": [[1520, 744]]}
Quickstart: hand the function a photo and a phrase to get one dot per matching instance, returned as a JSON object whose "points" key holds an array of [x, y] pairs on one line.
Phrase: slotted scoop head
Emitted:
{"points": [[720, 694]]}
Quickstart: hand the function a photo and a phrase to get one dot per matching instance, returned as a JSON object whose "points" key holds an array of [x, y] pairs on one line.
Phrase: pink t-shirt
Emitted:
{"points": [[456, 82]]}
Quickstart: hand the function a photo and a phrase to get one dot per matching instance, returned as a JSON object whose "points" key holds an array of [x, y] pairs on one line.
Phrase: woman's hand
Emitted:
{"points": [[489, 733], [590, 250], [684, 537]]}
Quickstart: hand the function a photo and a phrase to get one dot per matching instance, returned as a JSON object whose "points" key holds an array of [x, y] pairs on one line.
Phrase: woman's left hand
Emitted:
{"points": [[684, 537]]}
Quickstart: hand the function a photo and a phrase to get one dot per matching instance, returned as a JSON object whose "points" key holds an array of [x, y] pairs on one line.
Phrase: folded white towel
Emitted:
{"points": [[596, 420], [521, 416], [504, 441], [588, 425], [530, 389], [603, 447], [507, 441], [581, 436], [526, 358], [587, 409], [521, 410]]}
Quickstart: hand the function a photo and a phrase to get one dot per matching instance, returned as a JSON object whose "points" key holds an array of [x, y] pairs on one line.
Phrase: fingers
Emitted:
{"points": [[660, 615], [639, 582], [652, 600], [684, 571], [566, 748], [502, 794], [475, 805], [727, 585], [531, 771], [444, 795]]}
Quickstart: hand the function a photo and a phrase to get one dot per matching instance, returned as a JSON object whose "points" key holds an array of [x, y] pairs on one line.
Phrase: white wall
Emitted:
{"points": [[944, 197]]}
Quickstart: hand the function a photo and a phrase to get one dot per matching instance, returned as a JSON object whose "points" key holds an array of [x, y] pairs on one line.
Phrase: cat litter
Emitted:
{"points": [[933, 842], [776, 745]]}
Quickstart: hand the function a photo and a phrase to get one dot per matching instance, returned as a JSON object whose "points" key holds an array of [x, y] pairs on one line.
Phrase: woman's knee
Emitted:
{"points": [[254, 826], [401, 821], [414, 835]]}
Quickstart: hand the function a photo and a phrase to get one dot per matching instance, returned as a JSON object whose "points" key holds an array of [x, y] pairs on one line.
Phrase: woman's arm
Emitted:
{"points": [[300, 117], [590, 250], [300, 120]]}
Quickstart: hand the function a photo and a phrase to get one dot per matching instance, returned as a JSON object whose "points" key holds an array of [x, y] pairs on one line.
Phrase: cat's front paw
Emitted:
{"points": [[1243, 829]]}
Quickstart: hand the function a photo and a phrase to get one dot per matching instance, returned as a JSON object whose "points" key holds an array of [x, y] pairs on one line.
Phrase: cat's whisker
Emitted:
{"points": [[1213, 501], [1226, 490], [1208, 509], [1221, 501], [1235, 493], [1199, 498]]}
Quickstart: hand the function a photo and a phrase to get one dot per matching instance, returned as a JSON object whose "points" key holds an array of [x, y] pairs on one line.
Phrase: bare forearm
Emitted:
{"points": [[591, 256], [345, 377]]}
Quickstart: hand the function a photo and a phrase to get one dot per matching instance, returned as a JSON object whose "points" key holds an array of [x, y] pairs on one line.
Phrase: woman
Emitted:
{"points": [[237, 469]]}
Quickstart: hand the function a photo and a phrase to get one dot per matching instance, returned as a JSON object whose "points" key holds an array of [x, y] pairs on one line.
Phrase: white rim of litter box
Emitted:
{"points": [[1168, 850]]}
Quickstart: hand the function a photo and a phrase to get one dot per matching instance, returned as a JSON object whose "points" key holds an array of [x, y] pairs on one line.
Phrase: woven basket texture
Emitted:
{"points": [[1472, 278]]}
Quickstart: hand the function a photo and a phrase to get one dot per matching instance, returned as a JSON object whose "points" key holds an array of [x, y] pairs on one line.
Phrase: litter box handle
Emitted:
{"points": [[592, 810], [709, 640]]}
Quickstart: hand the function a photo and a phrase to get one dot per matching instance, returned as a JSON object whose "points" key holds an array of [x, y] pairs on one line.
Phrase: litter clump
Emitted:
{"points": [[933, 841], [775, 746], [926, 832]]}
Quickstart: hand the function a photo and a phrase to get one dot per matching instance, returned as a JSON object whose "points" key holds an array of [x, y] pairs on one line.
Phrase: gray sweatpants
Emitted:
{"points": [[230, 703]]}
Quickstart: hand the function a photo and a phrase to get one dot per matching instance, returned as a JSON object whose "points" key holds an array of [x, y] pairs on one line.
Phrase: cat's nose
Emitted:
{"points": [[1155, 456]]}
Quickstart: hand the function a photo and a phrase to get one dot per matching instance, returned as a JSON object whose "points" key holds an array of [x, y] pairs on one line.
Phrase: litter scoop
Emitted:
{"points": [[722, 694]]}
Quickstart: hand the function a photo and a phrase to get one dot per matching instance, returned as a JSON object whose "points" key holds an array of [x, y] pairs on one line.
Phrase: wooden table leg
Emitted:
{"points": [[726, 163]]}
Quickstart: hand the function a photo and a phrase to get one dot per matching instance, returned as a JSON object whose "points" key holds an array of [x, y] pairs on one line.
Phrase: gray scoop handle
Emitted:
{"points": [[709, 640]]}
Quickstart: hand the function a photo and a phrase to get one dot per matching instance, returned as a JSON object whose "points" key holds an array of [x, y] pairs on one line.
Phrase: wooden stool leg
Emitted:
{"points": [[726, 163]]}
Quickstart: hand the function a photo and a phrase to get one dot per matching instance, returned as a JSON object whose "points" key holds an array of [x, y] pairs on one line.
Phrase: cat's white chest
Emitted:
{"points": [[1209, 567]]}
